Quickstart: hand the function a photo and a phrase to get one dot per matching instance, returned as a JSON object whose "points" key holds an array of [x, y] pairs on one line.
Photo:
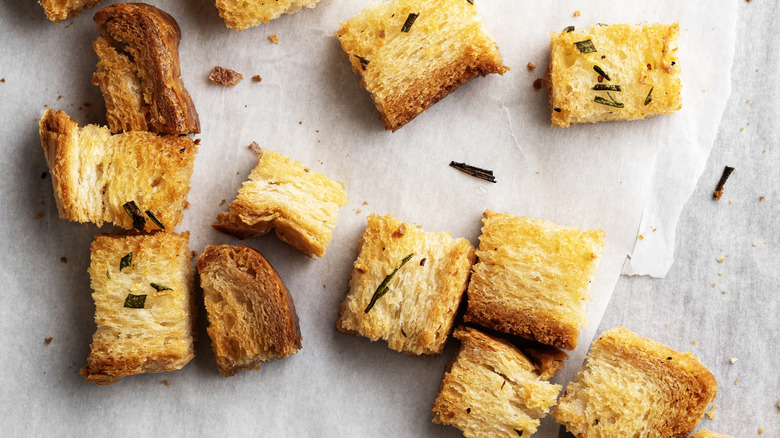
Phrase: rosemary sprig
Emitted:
{"points": [[363, 61], [600, 71], [154, 219], [383, 287], [649, 97], [159, 287], [585, 46], [607, 87], [135, 301], [476, 172], [126, 261], [611, 102], [409, 22], [135, 213]]}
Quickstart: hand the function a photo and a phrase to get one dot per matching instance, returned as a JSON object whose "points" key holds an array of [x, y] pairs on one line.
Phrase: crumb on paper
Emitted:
{"points": [[733, 360], [721, 259], [694, 342], [3, 80], [577, 13], [654, 229], [257, 78], [666, 325], [760, 429], [47, 341], [714, 284], [755, 244], [538, 83], [255, 147], [641, 237], [40, 215], [365, 202], [723, 292], [273, 38], [300, 122], [222, 202], [720, 274], [64, 259], [358, 211], [166, 382], [531, 66], [761, 198], [323, 286], [225, 76], [711, 412]]}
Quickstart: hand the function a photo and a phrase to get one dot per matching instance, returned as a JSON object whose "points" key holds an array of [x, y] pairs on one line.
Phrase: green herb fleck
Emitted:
{"points": [[363, 61], [606, 87], [383, 287], [601, 72], [568, 29], [649, 97], [160, 287], [519, 433], [409, 22], [585, 46], [154, 219], [611, 102], [135, 301], [126, 261], [135, 213]]}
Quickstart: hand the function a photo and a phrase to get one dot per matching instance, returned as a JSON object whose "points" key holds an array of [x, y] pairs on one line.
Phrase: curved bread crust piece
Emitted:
{"points": [[139, 73], [251, 313], [58, 10], [634, 386], [416, 315], [637, 58], [710, 434], [243, 14], [284, 195], [492, 390], [94, 173], [158, 337], [533, 278], [407, 72]]}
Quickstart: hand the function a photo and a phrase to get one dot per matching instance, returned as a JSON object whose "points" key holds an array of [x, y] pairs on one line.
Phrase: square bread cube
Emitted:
{"points": [[58, 10], [613, 72], [288, 197], [144, 305], [406, 286], [634, 386], [412, 53], [492, 390], [251, 313], [243, 14], [533, 278]]}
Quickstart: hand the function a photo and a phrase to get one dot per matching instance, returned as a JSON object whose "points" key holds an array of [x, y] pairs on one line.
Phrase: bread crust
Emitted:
{"points": [[251, 313], [58, 10], [149, 42]]}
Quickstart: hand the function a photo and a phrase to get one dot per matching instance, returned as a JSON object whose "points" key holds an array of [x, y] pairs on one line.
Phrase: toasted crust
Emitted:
{"points": [[58, 10], [94, 172], [416, 314], [407, 72], [158, 337], [638, 58], [709, 434], [251, 313], [533, 278], [243, 14], [491, 389], [284, 195], [142, 41], [631, 385]]}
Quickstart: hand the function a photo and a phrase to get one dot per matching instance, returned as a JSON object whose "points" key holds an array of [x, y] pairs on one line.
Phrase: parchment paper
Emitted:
{"points": [[310, 107]]}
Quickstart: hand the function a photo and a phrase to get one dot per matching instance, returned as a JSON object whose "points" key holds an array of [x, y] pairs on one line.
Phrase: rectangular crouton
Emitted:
{"points": [[251, 313], [634, 386], [144, 305], [613, 72], [492, 390], [95, 173], [243, 14], [58, 10], [406, 286], [412, 53], [533, 278], [284, 195]]}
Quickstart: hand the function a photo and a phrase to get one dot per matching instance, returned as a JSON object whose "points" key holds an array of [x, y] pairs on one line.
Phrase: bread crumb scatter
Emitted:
{"points": [[711, 412], [761, 198], [365, 202], [47, 341], [538, 83], [255, 147], [721, 259], [734, 359], [358, 211], [714, 284], [735, 381], [257, 78], [577, 13], [531, 66], [273, 38], [694, 342], [3, 80], [760, 429], [166, 382], [641, 237], [225, 76]]}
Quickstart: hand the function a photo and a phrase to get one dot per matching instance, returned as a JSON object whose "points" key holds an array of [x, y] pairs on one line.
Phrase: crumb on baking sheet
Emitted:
{"points": [[365, 202], [641, 237], [40, 215], [694, 342], [760, 429], [225, 76], [733, 360], [47, 341], [711, 412], [531, 66], [2, 80], [64, 259], [761, 198], [166, 382], [257, 78], [273, 38], [222, 202], [538, 83], [255, 147], [577, 13]]}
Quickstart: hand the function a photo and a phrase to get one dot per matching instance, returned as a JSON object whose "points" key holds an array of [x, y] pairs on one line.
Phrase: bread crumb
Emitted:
{"points": [[723, 292], [47, 341], [358, 211], [711, 412], [734, 359], [641, 237], [257, 78], [365, 202], [538, 83], [778, 405], [761, 198], [714, 284], [255, 147], [666, 325], [40, 215], [755, 244], [694, 342], [531, 66], [64, 259], [721, 259], [222, 202], [577, 13], [764, 151], [735, 381], [760, 429], [273, 38], [300, 122], [225, 76], [166, 382], [654, 229], [3, 79]]}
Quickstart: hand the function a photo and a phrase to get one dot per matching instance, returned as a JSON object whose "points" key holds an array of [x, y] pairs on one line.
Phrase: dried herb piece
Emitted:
{"points": [[383, 287], [649, 97], [135, 301], [607, 87], [159, 287], [157, 221], [568, 29], [126, 261], [719, 188], [409, 22], [135, 213], [403, 333], [600, 71], [476, 172], [611, 102], [363, 61], [519, 433], [585, 46]]}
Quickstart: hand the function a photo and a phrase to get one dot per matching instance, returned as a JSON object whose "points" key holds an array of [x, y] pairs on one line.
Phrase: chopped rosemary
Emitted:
{"points": [[363, 61], [409, 22], [611, 102], [403, 333], [157, 221], [160, 287], [476, 172], [649, 97], [126, 261], [603, 24], [601, 72], [585, 46], [135, 213], [606, 87], [519, 433], [568, 29], [135, 301], [383, 287], [719, 188]]}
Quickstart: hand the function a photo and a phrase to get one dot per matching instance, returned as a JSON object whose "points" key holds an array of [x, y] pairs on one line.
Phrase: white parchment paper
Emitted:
{"points": [[310, 107]]}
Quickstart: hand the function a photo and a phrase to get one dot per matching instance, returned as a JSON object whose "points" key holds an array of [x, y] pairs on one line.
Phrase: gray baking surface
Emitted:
{"points": [[309, 106]]}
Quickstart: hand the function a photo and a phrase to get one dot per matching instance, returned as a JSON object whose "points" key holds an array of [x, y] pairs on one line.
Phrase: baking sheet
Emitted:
{"points": [[310, 107]]}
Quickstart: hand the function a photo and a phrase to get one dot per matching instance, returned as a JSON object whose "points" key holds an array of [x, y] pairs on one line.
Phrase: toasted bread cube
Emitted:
{"points": [[533, 278], [58, 10], [243, 14], [492, 390], [144, 305], [251, 313], [138, 72], [634, 386], [94, 173], [288, 197], [639, 60], [428, 273], [710, 434], [408, 70]]}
